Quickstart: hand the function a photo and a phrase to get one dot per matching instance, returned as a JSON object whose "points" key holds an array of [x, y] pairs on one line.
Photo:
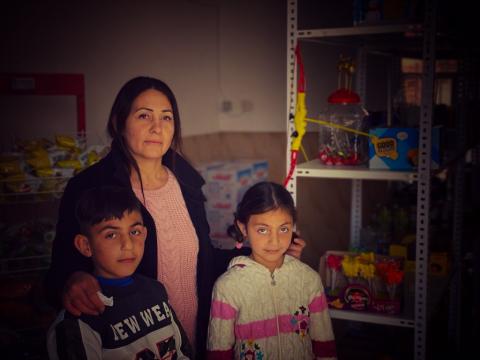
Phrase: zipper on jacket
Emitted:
{"points": [[276, 315]]}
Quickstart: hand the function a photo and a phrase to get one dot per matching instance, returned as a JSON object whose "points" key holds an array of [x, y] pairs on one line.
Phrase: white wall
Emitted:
{"points": [[112, 41], [252, 65], [206, 50]]}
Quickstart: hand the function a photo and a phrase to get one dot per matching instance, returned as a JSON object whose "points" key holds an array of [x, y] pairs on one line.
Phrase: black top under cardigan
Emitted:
{"points": [[111, 171]]}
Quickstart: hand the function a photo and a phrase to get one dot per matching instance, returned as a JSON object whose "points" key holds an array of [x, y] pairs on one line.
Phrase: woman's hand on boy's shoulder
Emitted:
{"points": [[80, 295], [296, 247]]}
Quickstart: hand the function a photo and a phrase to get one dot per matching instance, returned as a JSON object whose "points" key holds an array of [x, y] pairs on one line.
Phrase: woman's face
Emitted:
{"points": [[149, 127]]}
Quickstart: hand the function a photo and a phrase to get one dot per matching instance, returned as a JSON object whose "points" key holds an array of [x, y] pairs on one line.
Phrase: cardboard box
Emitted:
{"points": [[204, 168], [259, 168], [226, 183], [219, 220], [397, 148]]}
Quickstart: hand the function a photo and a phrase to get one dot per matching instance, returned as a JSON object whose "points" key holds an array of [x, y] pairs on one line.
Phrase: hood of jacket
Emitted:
{"points": [[252, 265]]}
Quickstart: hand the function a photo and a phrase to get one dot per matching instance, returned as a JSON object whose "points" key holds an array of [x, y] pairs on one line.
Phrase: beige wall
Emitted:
{"points": [[112, 41], [252, 66], [206, 50]]}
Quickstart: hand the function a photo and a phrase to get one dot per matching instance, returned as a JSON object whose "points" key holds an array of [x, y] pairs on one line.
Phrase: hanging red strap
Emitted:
{"points": [[299, 119], [301, 73]]}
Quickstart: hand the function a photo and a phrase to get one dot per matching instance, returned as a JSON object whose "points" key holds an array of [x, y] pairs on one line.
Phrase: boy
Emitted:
{"points": [[138, 322]]}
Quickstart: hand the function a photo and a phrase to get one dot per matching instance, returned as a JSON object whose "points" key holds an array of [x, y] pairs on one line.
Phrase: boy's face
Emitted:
{"points": [[116, 246], [270, 235]]}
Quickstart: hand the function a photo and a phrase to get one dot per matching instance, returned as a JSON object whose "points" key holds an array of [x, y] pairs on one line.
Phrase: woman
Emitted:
{"points": [[144, 125]]}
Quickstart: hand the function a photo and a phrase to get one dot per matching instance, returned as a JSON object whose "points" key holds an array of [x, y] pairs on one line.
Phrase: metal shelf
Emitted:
{"points": [[388, 39], [25, 264], [316, 169], [37, 189], [358, 31], [372, 318], [399, 40]]}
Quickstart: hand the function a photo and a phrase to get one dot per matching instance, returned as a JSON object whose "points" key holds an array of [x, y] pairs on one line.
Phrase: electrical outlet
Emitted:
{"points": [[226, 106], [246, 106]]}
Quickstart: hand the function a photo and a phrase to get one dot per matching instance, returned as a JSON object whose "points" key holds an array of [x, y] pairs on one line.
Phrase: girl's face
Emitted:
{"points": [[149, 127], [270, 234]]}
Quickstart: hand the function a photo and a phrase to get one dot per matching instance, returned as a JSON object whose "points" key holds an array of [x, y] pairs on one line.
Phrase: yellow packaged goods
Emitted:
{"points": [[56, 154], [93, 154], [39, 159], [45, 172], [46, 159], [71, 164], [43, 166], [69, 142], [55, 172], [36, 152], [22, 183], [30, 145], [92, 157], [10, 165], [54, 179]]}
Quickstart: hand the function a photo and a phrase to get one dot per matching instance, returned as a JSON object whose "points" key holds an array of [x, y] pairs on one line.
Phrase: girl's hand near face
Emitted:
{"points": [[296, 247], [80, 295]]}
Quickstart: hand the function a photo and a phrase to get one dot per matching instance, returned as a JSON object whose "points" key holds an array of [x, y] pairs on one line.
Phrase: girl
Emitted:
{"points": [[269, 305]]}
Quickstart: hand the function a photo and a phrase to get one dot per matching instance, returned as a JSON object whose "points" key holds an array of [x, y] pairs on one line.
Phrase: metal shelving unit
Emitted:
{"points": [[357, 31], [28, 208], [314, 169], [33, 196], [372, 318]]}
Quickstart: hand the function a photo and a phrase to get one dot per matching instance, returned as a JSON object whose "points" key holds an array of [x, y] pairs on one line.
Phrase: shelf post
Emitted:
{"points": [[454, 313], [291, 86], [356, 195], [423, 191], [356, 214]]}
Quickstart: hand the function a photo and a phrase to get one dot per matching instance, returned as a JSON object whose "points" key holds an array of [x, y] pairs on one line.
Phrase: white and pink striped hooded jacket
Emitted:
{"points": [[257, 314]]}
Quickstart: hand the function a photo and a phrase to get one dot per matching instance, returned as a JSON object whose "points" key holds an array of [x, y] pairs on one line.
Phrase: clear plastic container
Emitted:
{"points": [[339, 146]]}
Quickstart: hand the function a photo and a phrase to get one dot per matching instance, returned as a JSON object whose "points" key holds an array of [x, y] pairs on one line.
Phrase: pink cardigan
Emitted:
{"points": [[177, 252]]}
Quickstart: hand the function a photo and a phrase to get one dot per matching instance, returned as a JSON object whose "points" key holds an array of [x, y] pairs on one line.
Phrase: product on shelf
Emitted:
{"points": [[342, 143], [44, 166], [27, 239], [363, 281], [397, 148], [391, 224]]}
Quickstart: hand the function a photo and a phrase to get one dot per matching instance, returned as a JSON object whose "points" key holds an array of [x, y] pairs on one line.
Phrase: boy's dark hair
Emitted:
{"points": [[104, 203], [261, 197]]}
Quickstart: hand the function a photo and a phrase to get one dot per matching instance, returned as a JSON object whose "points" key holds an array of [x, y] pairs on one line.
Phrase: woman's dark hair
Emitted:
{"points": [[104, 203], [121, 109], [260, 198]]}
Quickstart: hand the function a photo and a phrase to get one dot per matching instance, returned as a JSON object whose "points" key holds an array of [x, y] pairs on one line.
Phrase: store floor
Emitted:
{"points": [[357, 341], [362, 341], [354, 340], [24, 315]]}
